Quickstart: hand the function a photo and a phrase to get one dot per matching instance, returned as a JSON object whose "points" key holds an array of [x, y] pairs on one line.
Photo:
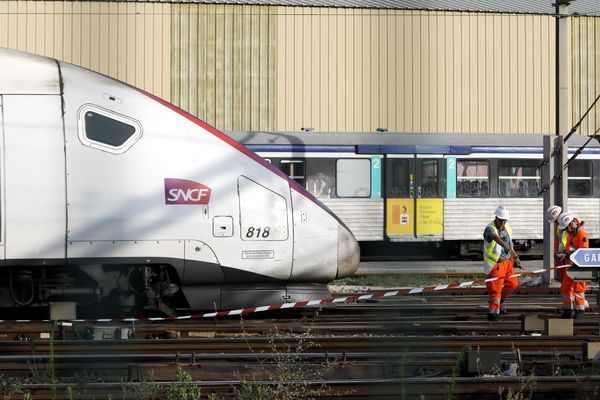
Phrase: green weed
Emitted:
{"points": [[183, 388]]}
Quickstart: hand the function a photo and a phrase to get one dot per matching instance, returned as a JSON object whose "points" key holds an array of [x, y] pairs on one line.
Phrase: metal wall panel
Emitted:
{"points": [[585, 43], [125, 40], [357, 70], [223, 64], [243, 67]]}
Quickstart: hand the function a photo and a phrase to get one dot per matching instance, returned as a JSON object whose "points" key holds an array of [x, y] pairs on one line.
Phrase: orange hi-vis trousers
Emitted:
{"points": [[501, 288], [572, 292]]}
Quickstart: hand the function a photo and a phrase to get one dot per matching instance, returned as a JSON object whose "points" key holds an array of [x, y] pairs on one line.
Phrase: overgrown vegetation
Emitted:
{"points": [[183, 388], [10, 386], [527, 384], [144, 389], [287, 375], [283, 372], [527, 381], [456, 371]]}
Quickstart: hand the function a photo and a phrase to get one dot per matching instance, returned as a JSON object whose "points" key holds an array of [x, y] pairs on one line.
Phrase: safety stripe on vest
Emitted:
{"points": [[490, 256]]}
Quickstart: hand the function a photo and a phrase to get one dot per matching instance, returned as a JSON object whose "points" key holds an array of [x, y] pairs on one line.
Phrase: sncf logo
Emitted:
{"points": [[182, 191]]}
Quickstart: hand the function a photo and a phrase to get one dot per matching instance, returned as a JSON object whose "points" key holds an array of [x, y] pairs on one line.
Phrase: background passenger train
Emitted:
{"points": [[401, 193]]}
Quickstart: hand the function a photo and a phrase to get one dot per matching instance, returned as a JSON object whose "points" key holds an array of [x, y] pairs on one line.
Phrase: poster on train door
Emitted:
{"points": [[400, 217], [430, 216]]}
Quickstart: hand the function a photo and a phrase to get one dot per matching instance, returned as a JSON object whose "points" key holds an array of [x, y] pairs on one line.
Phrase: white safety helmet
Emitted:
{"points": [[552, 213], [502, 213], [564, 220]]}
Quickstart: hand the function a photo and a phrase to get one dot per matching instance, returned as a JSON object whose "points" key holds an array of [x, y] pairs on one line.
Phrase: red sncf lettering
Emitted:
{"points": [[181, 191], [187, 195]]}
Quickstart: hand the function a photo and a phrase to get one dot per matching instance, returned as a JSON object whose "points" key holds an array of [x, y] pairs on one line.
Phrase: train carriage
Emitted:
{"points": [[111, 196], [399, 191]]}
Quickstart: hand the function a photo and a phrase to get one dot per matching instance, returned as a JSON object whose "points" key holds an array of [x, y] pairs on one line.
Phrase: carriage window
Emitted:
{"points": [[580, 178], [472, 179], [353, 178], [397, 178], [294, 169], [429, 178], [320, 177], [105, 130], [518, 178]]}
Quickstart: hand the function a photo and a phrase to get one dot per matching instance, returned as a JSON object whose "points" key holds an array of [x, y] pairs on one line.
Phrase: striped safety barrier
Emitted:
{"points": [[308, 303]]}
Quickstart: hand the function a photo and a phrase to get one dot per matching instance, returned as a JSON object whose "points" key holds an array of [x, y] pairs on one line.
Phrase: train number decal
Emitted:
{"points": [[258, 232]]}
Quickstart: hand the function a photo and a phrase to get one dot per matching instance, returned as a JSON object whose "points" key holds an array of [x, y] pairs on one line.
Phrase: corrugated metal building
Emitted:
{"points": [[332, 65]]}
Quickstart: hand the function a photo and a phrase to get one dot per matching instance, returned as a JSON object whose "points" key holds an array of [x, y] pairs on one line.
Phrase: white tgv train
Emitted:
{"points": [[110, 195]]}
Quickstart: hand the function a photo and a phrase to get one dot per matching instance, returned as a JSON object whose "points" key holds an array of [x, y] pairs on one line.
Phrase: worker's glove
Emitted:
{"points": [[518, 265], [516, 260]]}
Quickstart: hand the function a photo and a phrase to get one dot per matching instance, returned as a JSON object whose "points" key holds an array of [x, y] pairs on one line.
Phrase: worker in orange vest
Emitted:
{"points": [[499, 261], [572, 237]]}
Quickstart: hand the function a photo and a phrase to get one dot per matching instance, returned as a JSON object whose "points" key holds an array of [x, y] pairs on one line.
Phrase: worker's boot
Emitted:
{"points": [[503, 309], [567, 314], [579, 314], [493, 317]]}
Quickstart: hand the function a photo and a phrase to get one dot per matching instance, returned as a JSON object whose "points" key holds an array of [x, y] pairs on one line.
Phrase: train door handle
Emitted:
{"points": [[419, 191]]}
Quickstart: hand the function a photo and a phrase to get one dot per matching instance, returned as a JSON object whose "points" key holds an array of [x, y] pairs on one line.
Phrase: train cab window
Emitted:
{"points": [[108, 131], [294, 169], [580, 178], [472, 178], [518, 178], [353, 177]]}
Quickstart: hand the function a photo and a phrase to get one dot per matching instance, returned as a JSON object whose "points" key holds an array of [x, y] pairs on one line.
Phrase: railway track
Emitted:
{"points": [[405, 347], [468, 388]]}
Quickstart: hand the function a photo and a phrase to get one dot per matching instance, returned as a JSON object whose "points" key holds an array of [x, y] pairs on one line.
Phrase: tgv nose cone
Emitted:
{"points": [[348, 253]]}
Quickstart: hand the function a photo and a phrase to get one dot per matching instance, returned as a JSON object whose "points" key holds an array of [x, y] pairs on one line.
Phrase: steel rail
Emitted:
{"points": [[407, 388]]}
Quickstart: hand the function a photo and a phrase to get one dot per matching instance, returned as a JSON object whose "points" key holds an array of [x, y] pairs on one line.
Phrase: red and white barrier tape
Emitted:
{"points": [[310, 303]]}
